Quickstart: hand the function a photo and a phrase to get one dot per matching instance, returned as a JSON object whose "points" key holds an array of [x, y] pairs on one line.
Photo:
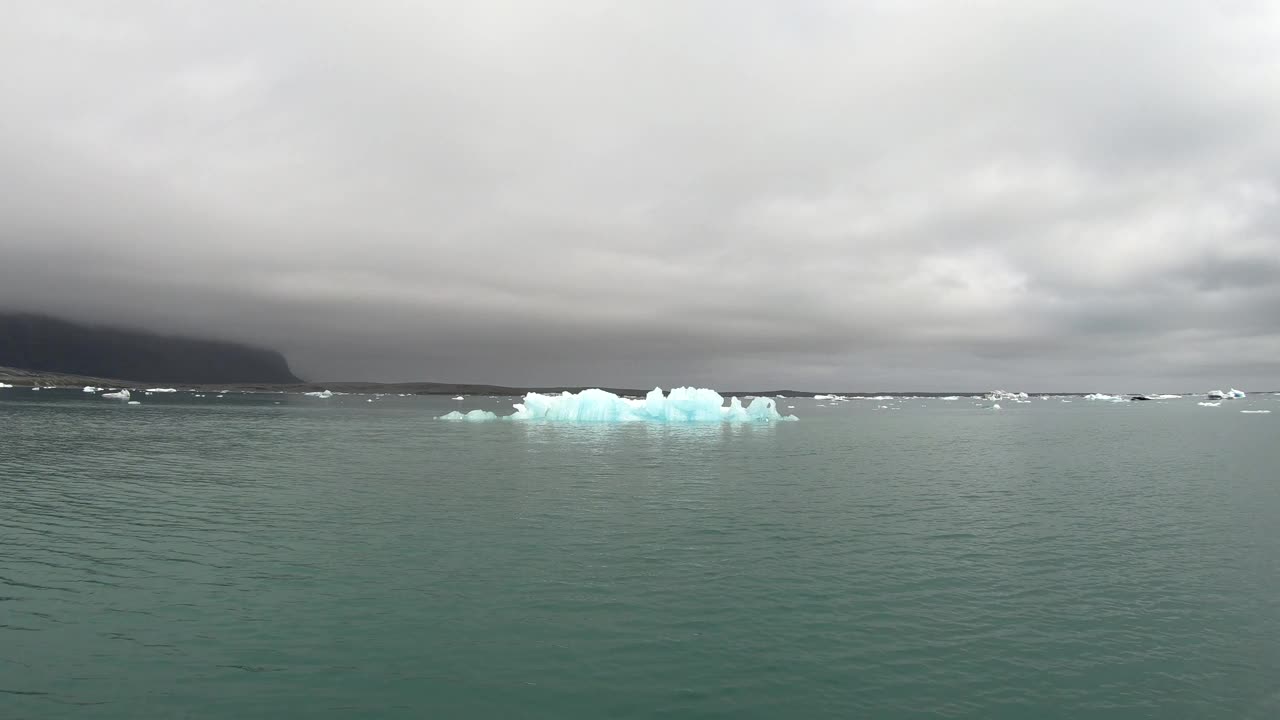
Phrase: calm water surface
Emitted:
{"points": [[239, 558]]}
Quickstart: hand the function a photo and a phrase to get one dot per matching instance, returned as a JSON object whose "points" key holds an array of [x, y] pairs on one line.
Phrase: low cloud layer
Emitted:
{"points": [[923, 195]]}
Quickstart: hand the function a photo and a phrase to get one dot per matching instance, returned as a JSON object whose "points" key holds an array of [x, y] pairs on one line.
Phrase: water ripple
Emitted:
{"points": [[249, 559]]}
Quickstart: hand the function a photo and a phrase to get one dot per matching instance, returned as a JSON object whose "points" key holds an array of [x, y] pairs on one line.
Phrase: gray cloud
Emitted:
{"points": [[816, 194]]}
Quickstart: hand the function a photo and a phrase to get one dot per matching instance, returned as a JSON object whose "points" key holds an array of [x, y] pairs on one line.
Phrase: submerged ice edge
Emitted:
{"points": [[681, 405]]}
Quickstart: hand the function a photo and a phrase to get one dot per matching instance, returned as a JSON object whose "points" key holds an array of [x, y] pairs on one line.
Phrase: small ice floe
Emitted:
{"points": [[161, 390], [323, 394], [90, 389], [996, 395], [1209, 404], [122, 395], [1103, 397], [5, 385], [1065, 400], [1256, 412], [460, 397], [951, 397], [791, 407], [34, 389], [134, 402], [473, 416], [1163, 397], [996, 406]]}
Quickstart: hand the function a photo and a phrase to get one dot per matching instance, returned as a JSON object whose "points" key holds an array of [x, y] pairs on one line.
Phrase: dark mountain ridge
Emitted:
{"points": [[51, 345]]}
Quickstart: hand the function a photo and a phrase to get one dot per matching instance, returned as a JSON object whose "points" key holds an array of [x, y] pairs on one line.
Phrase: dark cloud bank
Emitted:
{"points": [[919, 195]]}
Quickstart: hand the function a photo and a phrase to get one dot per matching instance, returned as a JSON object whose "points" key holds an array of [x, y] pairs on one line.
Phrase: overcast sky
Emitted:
{"points": [[829, 195]]}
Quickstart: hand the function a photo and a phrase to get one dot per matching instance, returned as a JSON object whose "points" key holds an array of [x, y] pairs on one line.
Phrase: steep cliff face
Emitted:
{"points": [[35, 342]]}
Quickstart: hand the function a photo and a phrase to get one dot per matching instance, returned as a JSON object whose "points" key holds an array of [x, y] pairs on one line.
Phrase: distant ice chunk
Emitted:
{"points": [[3, 385], [1104, 397], [161, 390], [90, 389], [134, 402], [951, 397], [997, 395], [1256, 412], [1235, 394], [825, 397], [1209, 404], [122, 395], [995, 406], [680, 405], [323, 394], [459, 398], [473, 416]]}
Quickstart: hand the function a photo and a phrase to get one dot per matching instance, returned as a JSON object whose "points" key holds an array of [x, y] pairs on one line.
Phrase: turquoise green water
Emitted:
{"points": [[238, 558]]}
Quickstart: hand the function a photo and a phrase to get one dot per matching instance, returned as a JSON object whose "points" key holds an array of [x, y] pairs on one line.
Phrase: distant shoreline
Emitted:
{"points": [[32, 378]]}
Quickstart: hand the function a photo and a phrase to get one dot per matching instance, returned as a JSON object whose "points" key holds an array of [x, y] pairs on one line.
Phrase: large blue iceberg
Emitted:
{"points": [[681, 405]]}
